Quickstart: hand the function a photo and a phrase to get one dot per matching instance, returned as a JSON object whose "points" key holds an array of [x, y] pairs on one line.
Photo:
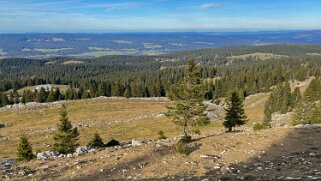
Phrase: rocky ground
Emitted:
{"points": [[292, 153]]}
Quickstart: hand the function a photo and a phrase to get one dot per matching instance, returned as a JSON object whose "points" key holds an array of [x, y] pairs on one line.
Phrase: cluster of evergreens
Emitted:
{"points": [[281, 100], [65, 139], [308, 109]]}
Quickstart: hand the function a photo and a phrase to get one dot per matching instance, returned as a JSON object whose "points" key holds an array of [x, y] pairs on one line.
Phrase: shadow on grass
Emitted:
{"points": [[296, 157], [118, 171]]}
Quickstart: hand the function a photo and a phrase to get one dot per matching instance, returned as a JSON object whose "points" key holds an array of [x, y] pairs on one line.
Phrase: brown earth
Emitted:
{"points": [[273, 154]]}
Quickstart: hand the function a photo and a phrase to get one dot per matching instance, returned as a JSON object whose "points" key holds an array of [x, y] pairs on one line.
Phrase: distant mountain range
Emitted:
{"points": [[95, 45]]}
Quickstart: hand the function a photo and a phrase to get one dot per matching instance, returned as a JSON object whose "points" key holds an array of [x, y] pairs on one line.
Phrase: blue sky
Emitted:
{"points": [[17, 16]]}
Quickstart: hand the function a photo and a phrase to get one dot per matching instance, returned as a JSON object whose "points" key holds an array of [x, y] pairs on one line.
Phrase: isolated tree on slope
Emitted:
{"points": [[66, 137], [235, 115], [189, 96], [24, 149]]}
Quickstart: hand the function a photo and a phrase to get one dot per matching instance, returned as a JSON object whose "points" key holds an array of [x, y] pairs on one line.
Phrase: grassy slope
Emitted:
{"points": [[98, 112], [95, 113]]}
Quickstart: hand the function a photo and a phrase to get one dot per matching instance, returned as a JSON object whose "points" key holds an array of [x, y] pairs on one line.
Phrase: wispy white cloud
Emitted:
{"points": [[209, 5], [120, 6], [103, 16]]}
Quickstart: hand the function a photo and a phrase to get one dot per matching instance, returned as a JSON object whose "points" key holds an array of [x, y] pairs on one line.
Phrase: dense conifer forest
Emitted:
{"points": [[153, 76]]}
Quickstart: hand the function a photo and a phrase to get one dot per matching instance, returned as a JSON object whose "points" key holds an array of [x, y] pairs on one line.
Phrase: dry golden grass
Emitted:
{"points": [[254, 108], [137, 119]]}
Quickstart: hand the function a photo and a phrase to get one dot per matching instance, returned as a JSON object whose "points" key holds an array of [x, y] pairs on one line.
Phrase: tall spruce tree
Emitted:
{"points": [[295, 97], [303, 112], [189, 96], [51, 96], [24, 149], [316, 114], [313, 92], [127, 93], [286, 98], [235, 115], [66, 137], [41, 95]]}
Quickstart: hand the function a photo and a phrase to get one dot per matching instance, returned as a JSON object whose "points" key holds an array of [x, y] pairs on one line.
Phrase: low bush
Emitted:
{"points": [[185, 139], [97, 141], [161, 135], [180, 148], [259, 126]]}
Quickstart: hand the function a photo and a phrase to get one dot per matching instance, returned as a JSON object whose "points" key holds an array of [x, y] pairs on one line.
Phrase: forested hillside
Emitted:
{"points": [[152, 76]]}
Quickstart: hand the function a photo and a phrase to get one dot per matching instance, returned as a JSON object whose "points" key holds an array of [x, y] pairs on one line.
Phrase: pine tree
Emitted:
{"points": [[295, 97], [102, 89], [127, 93], [24, 149], [286, 98], [303, 112], [51, 96], [313, 92], [188, 95], [97, 141], [85, 95], [66, 137], [116, 89], [268, 111], [3, 100], [316, 114], [41, 96], [235, 115], [57, 94]]}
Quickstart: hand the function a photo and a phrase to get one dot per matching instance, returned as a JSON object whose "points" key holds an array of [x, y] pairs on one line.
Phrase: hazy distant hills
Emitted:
{"points": [[95, 45]]}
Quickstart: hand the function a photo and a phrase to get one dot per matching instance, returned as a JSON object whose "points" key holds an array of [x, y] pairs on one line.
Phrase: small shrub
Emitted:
{"points": [[24, 150], [112, 143], [97, 141], [185, 139], [180, 148], [161, 135], [258, 127]]}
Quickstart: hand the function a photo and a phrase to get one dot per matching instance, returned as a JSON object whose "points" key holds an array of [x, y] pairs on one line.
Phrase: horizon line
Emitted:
{"points": [[172, 31]]}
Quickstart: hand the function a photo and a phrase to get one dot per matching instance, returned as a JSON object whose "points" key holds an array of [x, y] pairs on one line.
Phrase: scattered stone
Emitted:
{"points": [[8, 163], [313, 154], [80, 151], [69, 155], [47, 155], [136, 143], [217, 167], [204, 156]]}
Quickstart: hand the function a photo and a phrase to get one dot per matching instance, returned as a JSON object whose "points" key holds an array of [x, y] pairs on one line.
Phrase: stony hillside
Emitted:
{"points": [[274, 154]]}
